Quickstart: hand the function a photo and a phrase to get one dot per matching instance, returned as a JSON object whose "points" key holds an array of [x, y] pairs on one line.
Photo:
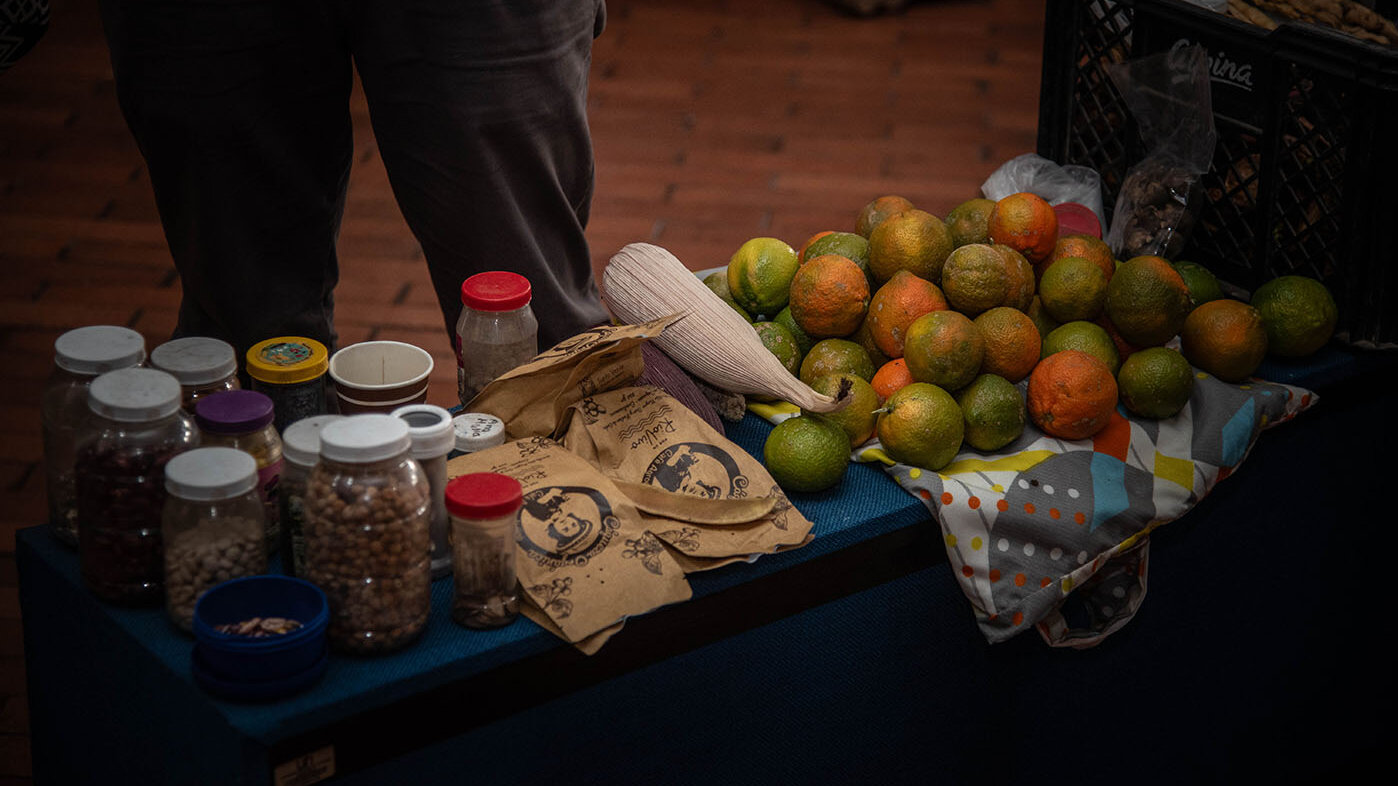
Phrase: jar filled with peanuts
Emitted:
{"points": [[242, 419], [203, 365], [213, 526], [138, 426], [79, 356], [367, 508]]}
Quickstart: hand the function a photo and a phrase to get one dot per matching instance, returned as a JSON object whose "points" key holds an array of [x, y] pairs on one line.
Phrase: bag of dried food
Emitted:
{"points": [[1168, 95]]}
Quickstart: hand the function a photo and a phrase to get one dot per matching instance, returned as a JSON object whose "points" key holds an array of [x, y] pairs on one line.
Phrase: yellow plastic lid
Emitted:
{"points": [[286, 360]]}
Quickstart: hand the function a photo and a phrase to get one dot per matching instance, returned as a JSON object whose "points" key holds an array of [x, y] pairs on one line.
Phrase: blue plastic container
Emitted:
{"points": [[268, 666]]}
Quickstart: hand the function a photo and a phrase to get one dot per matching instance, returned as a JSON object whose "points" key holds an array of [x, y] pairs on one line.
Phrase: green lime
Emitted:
{"points": [[994, 411], [806, 453], [779, 341], [857, 417], [803, 341], [921, 425], [717, 282], [760, 273], [1203, 284], [836, 356], [1073, 288], [1088, 337], [1155, 382], [1299, 314]]}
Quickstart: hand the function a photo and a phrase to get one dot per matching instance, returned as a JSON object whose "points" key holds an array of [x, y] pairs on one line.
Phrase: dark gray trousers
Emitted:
{"points": [[241, 110]]}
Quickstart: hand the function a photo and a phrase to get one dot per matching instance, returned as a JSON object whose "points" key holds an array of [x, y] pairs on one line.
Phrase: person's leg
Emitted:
{"points": [[480, 113], [241, 110]]}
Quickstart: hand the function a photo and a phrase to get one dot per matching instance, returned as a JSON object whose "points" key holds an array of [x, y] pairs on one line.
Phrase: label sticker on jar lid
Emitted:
{"points": [[477, 431], [287, 360]]}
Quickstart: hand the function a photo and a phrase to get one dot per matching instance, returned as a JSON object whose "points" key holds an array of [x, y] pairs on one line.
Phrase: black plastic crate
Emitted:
{"points": [[1303, 176]]}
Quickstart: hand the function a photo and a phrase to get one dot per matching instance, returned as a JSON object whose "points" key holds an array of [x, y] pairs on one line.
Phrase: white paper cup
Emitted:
{"points": [[380, 376]]}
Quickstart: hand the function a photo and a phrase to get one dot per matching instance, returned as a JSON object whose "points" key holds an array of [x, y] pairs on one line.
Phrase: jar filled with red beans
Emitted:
{"points": [[137, 426]]}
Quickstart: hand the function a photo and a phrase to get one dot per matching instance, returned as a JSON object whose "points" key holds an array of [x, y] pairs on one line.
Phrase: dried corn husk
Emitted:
{"points": [[645, 282]]}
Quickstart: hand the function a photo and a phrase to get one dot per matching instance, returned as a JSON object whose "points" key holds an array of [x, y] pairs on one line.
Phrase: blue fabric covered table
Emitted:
{"points": [[1258, 657]]}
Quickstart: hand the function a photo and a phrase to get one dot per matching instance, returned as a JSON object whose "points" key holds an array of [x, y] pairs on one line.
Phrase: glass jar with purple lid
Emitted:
{"points": [[243, 419], [137, 427]]}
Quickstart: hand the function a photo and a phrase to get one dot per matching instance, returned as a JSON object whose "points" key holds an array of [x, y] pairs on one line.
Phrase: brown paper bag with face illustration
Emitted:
{"points": [[532, 399], [585, 559], [642, 436]]}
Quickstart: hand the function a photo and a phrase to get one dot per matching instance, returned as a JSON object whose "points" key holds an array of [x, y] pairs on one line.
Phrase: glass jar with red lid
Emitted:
{"points": [[496, 332]]}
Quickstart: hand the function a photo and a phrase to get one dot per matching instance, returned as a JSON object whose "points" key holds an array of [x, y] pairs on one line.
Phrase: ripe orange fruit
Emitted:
{"points": [[890, 377], [913, 240], [1011, 343], [1147, 300], [895, 305], [1025, 222], [1299, 314], [1073, 288], [759, 275], [975, 278], [921, 425], [944, 348], [1071, 395], [1225, 338], [1090, 247], [877, 210], [969, 222], [1023, 283], [829, 296]]}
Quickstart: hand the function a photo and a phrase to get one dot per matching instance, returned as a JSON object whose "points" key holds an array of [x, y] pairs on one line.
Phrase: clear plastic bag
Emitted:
{"points": [[1055, 183], [1168, 95]]}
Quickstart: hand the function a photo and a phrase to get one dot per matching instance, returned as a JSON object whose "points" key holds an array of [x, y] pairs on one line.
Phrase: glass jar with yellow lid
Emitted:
{"points": [[291, 371]]}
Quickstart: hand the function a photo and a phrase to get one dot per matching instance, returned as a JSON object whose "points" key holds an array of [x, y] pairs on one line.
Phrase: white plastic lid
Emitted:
{"points": [[301, 440], [135, 395], [430, 428], [477, 431], [359, 439], [211, 473], [196, 360], [96, 349]]}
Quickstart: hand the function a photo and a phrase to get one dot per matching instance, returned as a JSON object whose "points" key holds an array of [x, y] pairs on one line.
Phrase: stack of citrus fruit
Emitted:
{"points": [[947, 334]]}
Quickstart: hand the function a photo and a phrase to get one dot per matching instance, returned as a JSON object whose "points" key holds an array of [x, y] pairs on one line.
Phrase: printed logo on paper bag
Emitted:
{"points": [[697, 468], [565, 525], [576, 344]]}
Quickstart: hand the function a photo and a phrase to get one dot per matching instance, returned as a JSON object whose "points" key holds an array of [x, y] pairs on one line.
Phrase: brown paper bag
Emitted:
{"points": [[642, 436], [532, 399], [585, 559]]}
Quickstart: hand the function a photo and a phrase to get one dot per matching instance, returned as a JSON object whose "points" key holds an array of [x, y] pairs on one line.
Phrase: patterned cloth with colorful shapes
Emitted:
{"points": [[1043, 520]]}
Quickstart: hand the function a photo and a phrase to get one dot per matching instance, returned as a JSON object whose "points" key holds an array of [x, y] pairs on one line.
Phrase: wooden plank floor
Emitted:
{"points": [[713, 121]]}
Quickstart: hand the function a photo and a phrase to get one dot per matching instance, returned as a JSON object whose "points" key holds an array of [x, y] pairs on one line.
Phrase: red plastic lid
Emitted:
{"points": [[1076, 219], [495, 290], [483, 495]]}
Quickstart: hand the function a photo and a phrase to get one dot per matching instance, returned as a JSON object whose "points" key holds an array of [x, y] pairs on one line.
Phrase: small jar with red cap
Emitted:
{"points": [[243, 419], [484, 509], [496, 332]]}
